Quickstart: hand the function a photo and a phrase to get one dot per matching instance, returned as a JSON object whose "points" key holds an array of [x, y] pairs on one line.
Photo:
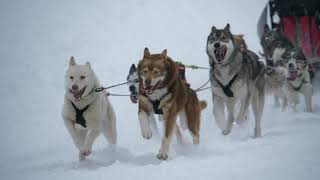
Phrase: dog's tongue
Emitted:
{"points": [[77, 94], [293, 75], [134, 98], [220, 53]]}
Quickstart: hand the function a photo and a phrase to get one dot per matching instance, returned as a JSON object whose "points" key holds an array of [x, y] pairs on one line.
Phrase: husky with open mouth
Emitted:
{"points": [[162, 89], [86, 113], [298, 78], [235, 76], [133, 84]]}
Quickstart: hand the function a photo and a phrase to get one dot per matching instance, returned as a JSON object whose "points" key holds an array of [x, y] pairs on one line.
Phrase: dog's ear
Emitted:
{"points": [[146, 52], [227, 27], [240, 35], [88, 64], [164, 53], [266, 28], [133, 68], [213, 29], [72, 62]]}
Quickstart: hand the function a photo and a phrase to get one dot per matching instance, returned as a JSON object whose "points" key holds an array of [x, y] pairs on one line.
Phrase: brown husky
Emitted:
{"points": [[162, 89]]}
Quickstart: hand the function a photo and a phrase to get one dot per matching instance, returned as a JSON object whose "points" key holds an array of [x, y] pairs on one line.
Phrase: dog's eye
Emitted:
{"points": [[144, 71], [82, 77], [71, 77], [156, 72], [223, 38]]}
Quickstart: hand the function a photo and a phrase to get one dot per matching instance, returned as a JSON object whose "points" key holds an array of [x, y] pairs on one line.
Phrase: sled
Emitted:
{"points": [[299, 21]]}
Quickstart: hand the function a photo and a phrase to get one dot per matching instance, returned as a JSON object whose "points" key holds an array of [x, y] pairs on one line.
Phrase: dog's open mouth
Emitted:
{"points": [[293, 74], [134, 98], [220, 53], [77, 94], [148, 90]]}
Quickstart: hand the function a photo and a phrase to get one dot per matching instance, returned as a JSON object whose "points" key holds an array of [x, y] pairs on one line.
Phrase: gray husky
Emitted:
{"points": [[298, 78], [274, 44], [235, 76]]}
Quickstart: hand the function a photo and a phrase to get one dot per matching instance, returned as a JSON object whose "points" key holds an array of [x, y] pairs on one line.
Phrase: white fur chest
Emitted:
{"points": [[158, 94], [277, 53]]}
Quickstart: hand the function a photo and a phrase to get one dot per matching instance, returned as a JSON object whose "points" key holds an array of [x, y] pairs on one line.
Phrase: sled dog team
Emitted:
{"points": [[236, 77]]}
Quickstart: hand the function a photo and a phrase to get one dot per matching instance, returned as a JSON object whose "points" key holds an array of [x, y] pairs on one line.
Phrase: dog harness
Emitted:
{"points": [[79, 115], [227, 88]]}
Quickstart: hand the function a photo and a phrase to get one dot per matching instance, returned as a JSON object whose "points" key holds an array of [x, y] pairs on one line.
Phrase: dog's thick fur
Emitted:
{"points": [[274, 44], [275, 82], [133, 84], [80, 83], [241, 72], [158, 72], [298, 78]]}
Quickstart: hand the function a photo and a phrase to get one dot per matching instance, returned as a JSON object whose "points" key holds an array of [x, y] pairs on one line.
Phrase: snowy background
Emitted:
{"points": [[36, 40]]}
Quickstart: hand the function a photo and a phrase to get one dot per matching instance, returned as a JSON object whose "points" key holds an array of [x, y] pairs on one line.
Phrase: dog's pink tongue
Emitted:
{"points": [[76, 94], [221, 52], [293, 75]]}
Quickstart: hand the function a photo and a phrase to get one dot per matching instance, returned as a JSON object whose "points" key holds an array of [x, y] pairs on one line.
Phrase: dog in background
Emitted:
{"points": [[298, 79]]}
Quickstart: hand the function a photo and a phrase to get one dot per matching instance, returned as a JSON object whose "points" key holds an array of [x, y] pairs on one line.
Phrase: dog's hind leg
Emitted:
{"points": [[89, 140], [307, 92], [179, 135], [183, 120], [77, 135], [218, 112], [109, 126], [192, 111], [230, 109]]}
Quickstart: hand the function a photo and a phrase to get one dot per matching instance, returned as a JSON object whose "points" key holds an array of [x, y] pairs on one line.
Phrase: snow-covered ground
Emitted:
{"points": [[37, 39]]}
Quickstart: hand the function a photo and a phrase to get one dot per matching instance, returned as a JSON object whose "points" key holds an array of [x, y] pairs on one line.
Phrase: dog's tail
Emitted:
{"points": [[203, 104]]}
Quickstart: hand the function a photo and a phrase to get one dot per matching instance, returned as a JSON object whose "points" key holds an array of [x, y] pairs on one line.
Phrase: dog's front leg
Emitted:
{"points": [[276, 100], [307, 92], [244, 106], [153, 124], [77, 135], [218, 112], [87, 146], [145, 124], [169, 127], [230, 109]]}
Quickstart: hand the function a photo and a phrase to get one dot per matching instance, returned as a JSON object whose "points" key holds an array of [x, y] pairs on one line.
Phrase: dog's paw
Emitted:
{"points": [[226, 132], [257, 132], [85, 152], [147, 134], [241, 120], [162, 156]]}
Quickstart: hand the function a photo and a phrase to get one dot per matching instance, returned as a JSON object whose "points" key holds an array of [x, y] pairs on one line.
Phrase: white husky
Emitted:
{"points": [[86, 113]]}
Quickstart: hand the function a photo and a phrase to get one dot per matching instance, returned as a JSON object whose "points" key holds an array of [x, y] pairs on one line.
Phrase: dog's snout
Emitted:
{"points": [[75, 87], [132, 89], [147, 81], [291, 66], [216, 45]]}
